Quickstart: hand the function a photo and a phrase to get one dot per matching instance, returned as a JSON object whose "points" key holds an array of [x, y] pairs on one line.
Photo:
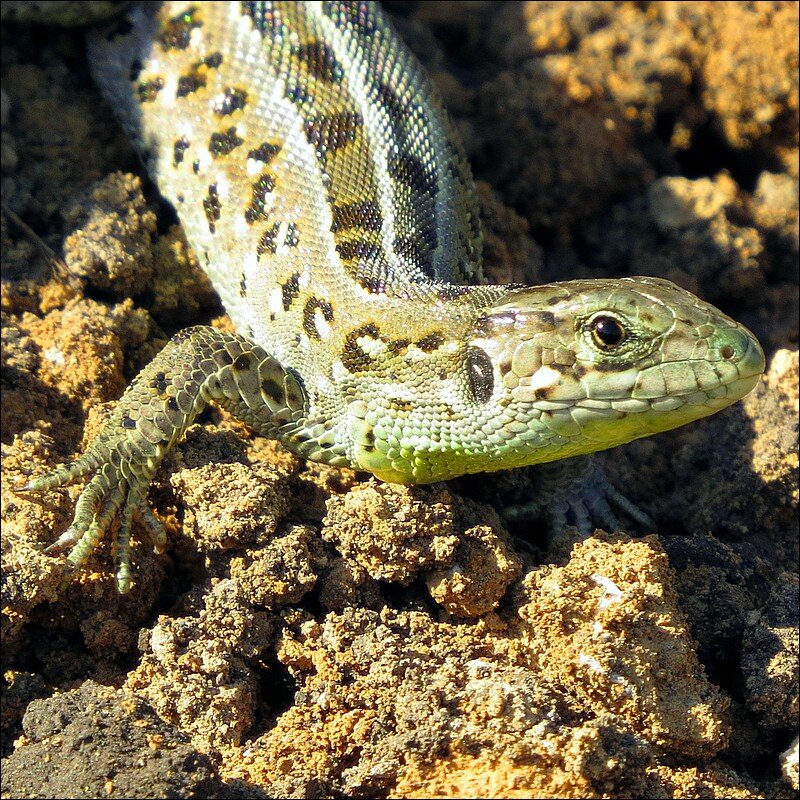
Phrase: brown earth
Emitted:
{"points": [[311, 632]]}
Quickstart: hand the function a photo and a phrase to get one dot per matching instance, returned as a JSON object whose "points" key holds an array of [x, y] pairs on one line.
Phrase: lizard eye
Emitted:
{"points": [[480, 374], [607, 332]]}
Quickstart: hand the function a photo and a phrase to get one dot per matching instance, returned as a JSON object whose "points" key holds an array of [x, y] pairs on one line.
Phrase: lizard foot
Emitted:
{"points": [[108, 496], [198, 365], [576, 492]]}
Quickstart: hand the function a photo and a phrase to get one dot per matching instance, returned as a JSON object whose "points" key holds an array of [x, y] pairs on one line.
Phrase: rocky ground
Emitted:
{"points": [[311, 632]]}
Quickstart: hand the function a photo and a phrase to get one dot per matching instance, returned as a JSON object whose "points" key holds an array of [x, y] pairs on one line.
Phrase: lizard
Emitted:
{"points": [[320, 182]]}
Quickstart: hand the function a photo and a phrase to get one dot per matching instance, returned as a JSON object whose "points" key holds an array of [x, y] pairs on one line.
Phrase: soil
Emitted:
{"points": [[312, 632]]}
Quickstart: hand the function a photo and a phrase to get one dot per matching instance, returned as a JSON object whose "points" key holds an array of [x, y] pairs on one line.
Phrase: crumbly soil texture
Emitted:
{"points": [[312, 632]]}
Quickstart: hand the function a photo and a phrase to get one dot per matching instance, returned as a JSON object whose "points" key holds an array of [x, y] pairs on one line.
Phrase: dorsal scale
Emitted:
{"points": [[311, 164]]}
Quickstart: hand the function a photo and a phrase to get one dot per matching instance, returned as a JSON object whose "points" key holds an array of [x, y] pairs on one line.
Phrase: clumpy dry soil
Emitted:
{"points": [[312, 632]]}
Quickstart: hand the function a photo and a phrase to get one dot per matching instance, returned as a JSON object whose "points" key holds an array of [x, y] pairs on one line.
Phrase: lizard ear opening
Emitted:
{"points": [[480, 374]]}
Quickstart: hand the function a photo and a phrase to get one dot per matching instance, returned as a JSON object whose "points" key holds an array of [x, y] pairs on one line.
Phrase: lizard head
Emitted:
{"points": [[599, 363], [562, 370]]}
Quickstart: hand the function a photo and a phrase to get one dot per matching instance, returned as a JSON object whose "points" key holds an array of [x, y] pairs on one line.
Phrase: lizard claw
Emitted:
{"points": [[158, 535]]}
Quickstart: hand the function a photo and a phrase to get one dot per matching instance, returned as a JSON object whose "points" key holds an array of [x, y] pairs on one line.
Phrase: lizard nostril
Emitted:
{"points": [[727, 352]]}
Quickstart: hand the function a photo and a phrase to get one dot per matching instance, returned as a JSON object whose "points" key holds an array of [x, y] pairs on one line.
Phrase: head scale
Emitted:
{"points": [[565, 369]]}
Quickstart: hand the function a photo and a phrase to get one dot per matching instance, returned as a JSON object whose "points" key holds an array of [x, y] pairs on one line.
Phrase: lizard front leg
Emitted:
{"points": [[197, 366]]}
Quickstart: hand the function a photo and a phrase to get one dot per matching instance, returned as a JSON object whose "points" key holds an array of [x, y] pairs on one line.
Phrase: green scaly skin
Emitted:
{"points": [[319, 181]]}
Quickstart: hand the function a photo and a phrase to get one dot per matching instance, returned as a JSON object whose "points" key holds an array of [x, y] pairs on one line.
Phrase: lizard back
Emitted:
{"points": [[311, 163]]}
